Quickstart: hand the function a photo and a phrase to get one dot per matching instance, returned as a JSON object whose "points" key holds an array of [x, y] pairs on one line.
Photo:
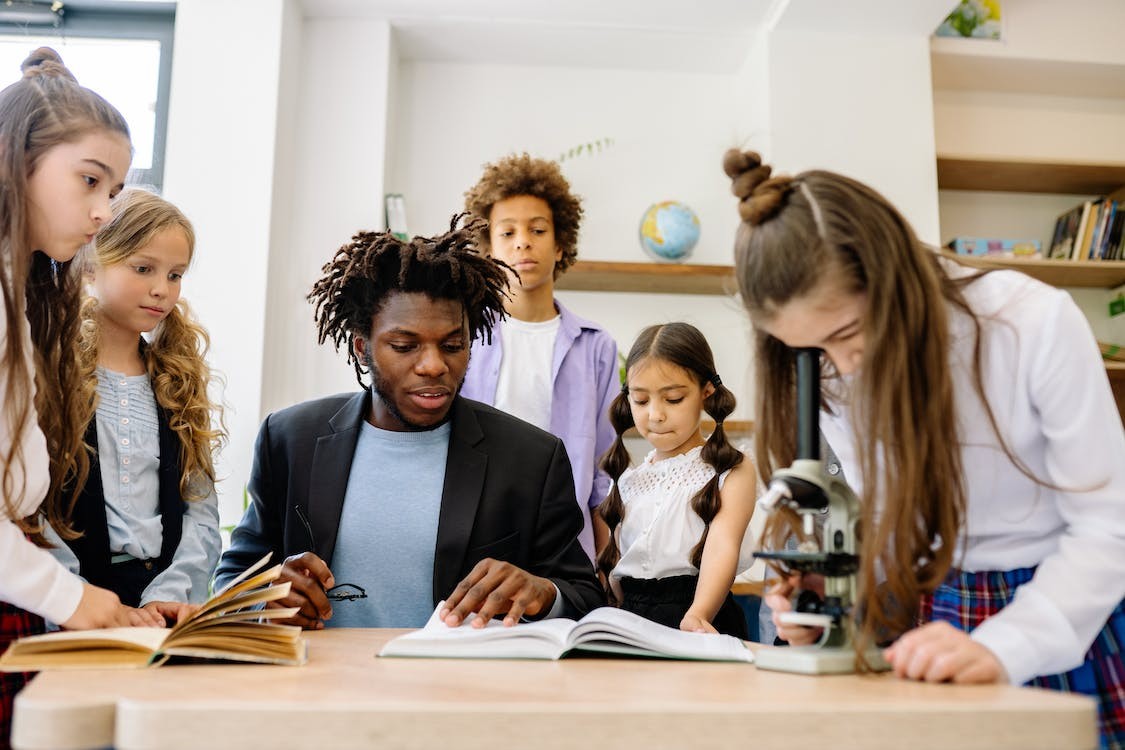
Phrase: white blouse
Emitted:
{"points": [[660, 529], [32, 579], [1046, 384]]}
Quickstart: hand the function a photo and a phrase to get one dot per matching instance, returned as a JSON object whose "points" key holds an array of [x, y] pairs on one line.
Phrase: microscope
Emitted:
{"points": [[819, 499]]}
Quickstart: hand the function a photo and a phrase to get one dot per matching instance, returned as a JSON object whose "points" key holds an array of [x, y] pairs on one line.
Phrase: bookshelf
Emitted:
{"points": [[661, 278], [1031, 176], [1104, 274]]}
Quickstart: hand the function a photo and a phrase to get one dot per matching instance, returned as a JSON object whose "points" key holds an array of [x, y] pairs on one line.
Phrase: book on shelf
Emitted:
{"points": [[1092, 230], [605, 630], [227, 627]]}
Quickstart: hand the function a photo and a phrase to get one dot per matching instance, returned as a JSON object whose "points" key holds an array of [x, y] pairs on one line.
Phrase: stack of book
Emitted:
{"points": [[1093, 230]]}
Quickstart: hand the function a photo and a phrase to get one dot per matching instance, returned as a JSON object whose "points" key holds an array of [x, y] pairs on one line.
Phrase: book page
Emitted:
{"points": [[84, 649], [612, 630], [526, 640]]}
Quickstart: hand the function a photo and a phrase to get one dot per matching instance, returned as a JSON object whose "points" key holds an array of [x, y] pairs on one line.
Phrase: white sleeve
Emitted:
{"points": [[1053, 619]]}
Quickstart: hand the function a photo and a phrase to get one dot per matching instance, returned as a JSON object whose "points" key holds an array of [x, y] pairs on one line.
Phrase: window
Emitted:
{"points": [[122, 50]]}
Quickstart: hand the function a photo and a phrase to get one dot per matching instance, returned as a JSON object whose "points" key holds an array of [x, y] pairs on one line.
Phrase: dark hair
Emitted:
{"points": [[43, 109], [797, 233], [374, 265], [680, 344], [522, 175]]}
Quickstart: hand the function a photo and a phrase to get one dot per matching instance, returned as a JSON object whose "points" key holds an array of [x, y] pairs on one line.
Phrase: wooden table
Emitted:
{"points": [[345, 697]]}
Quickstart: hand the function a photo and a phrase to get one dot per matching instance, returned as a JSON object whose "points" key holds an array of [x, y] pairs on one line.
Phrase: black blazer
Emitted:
{"points": [[508, 495]]}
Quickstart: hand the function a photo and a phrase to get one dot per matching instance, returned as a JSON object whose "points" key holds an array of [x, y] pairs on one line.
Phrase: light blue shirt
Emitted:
{"points": [[388, 528], [129, 456]]}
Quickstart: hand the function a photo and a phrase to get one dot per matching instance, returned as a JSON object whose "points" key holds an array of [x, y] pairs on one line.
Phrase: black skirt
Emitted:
{"points": [[667, 600]]}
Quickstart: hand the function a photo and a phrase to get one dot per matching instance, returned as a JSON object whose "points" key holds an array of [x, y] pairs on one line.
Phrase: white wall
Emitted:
{"points": [[333, 189], [220, 170], [669, 131]]}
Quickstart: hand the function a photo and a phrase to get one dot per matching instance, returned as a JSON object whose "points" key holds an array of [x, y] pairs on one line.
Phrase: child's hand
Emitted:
{"points": [[98, 608], [777, 599], [939, 652], [695, 624], [170, 612]]}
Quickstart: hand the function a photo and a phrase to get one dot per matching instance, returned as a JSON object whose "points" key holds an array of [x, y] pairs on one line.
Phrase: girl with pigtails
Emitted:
{"points": [[678, 520], [148, 512]]}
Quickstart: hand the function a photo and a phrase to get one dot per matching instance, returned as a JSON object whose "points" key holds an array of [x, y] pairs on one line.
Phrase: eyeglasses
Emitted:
{"points": [[346, 592], [341, 592]]}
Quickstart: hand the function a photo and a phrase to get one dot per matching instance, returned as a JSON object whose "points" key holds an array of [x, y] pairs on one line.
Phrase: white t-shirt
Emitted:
{"points": [[524, 386], [660, 529], [1045, 381], [32, 579]]}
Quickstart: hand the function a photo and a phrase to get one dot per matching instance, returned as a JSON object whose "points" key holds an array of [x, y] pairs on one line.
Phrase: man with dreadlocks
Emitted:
{"points": [[407, 491]]}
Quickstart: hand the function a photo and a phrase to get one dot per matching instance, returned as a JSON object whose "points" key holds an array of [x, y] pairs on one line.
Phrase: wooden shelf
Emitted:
{"points": [[1085, 273], [665, 278], [1116, 372], [962, 173]]}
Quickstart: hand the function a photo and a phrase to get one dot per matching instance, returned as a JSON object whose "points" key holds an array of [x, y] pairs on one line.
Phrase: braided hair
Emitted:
{"points": [[682, 345], [374, 265]]}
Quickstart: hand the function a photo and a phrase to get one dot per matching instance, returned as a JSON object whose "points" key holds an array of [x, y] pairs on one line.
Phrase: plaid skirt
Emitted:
{"points": [[964, 600], [14, 623]]}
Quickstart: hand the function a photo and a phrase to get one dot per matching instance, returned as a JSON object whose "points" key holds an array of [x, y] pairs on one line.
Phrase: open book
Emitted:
{"points": [[604, 630], [228, 626]]}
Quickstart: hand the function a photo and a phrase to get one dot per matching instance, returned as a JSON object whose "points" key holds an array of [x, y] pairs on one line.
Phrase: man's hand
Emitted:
{"points": [[170, 612], [939, 652], [310, 578], [494, 587]]}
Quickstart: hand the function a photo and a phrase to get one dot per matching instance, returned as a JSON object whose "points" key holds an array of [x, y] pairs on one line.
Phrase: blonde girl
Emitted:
{"points": [[148, 512]]}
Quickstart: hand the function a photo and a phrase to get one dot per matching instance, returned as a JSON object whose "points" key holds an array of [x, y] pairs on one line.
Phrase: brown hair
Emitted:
{"points": [[45, 108], [175, 356], [798, 233], [374, 265], [519, 174], [682, 345]]}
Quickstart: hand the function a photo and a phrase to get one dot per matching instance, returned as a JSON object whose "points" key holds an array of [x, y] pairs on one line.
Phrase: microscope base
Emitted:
{"points": [[815, 659]]}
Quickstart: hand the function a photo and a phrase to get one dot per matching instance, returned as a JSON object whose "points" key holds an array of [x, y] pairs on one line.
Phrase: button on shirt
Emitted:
{"points": [[129, 457]]}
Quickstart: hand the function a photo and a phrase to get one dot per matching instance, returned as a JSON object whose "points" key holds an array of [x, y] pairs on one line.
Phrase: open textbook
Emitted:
{"points": [[605, 630], [228, 626]]}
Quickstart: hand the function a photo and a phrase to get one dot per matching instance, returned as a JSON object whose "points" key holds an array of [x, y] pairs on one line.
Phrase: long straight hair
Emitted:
{"points": [[44, 109]]}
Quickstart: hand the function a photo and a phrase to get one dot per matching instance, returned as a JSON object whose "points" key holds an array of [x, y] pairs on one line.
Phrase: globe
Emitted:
{"points": [[669, 231]]}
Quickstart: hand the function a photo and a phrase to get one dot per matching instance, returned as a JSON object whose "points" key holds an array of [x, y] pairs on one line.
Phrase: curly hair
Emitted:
{"points": [[45, 108], [175, 356], [684, 346], [519, 174], [374, 265]]}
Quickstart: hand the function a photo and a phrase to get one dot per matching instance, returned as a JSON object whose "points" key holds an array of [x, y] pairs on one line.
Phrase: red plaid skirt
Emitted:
{"points": [[964, 600], [14, 623]]}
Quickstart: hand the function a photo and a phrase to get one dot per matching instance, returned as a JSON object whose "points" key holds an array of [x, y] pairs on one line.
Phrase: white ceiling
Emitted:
{"points": [[711, 36]]}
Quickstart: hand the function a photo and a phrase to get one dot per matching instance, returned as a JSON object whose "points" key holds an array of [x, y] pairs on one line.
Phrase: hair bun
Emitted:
{"points": [[45, 62], [759, 196]]}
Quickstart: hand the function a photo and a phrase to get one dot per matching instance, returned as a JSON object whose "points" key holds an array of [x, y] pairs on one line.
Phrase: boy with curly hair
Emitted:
{"points": [[544, 364]]}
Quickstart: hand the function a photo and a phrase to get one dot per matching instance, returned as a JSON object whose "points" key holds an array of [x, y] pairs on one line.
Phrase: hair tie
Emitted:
{"points": [[716, 380], [624, 389]]}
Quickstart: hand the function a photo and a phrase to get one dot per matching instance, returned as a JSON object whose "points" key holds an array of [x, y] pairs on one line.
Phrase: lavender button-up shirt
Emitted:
{"points": [[585, 378]]}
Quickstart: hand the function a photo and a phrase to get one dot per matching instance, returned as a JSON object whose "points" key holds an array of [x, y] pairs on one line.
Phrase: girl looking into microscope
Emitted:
{"points": [[971, 413]]}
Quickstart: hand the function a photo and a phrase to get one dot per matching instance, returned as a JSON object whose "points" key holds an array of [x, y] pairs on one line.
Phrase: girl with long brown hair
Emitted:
{"points": [[678, 520], [148, 514], [64, 152], [971, 413]]}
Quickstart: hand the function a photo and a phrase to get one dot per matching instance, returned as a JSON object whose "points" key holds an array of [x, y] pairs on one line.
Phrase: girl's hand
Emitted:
{"points": [[98, 608], [939, 652], [777, 598], [695, 624], [170, 612]]}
